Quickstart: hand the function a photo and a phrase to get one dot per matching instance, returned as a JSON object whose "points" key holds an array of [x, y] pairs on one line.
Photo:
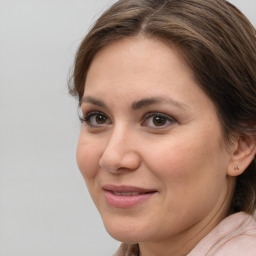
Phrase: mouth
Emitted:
{"points": [[128, 193], [126, 196]]}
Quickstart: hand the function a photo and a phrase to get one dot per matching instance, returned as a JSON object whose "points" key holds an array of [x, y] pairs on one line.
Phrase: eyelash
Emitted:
{"points": [[86, 118], [166, 118]]}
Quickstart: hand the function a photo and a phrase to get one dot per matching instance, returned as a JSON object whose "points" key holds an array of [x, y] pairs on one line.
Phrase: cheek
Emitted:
{"points": [[184, 161], [87, 159], [190, 182]]}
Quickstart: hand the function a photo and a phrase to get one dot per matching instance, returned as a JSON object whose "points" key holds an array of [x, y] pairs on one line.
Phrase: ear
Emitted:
{"points": [[243, 154]]}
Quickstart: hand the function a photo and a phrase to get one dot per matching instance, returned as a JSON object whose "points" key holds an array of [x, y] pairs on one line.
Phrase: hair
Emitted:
{"points": [[217, 42]]}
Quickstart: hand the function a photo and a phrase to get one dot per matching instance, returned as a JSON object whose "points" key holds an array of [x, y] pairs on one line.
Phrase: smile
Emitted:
{"points": [[125, 196]]}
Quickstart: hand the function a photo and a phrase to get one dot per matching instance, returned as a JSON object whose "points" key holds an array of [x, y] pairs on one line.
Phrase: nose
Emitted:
{"points": [[120, 153]]}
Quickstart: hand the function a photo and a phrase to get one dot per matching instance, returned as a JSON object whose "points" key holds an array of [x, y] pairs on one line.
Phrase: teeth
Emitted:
{"points": [[126, 193]]}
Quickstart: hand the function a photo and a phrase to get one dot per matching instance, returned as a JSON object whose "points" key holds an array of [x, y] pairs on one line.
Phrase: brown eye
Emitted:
{"points": [[158, 120], [100, 119], [96, 119]]}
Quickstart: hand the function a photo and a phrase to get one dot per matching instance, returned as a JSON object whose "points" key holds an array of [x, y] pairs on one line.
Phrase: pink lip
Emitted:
{"points": [[115, 199]]}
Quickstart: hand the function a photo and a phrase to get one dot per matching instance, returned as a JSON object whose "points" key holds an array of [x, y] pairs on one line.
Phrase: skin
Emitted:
{"points": [[181, 157]]}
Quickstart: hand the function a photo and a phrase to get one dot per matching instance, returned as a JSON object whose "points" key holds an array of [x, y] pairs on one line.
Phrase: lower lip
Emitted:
{"points": [[126, 201]]}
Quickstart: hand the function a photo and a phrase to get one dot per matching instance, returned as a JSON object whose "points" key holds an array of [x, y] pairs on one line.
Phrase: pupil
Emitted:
{"points": [[158, 120], [100, 119]]}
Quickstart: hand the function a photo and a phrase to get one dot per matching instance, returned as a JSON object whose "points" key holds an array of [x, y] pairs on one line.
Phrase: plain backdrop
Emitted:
{"points": [[45, 209]]}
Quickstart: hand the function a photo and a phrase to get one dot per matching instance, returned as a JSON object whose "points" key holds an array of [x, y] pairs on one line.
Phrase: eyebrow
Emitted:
{"points": [[154, 100], [93, 101], [136, 105]]}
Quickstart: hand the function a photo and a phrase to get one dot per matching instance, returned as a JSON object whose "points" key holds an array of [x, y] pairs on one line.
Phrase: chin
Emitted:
{"points": [[129, 238], [125, 232]]}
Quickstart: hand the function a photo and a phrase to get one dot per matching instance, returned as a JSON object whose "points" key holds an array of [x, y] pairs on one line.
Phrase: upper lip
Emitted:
{"points": [[126, 188]]}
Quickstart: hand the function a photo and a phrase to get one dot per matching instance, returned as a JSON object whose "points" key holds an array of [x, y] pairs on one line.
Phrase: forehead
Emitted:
{"points": [[134, 68], [136, 59]]}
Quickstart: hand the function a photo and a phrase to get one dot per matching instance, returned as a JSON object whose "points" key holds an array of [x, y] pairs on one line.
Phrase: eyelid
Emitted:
{"points": [[85, 118], [169, 119]]}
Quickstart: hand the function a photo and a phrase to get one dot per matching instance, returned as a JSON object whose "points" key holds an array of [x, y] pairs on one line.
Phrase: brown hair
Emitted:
{"points": [[219, 45]]}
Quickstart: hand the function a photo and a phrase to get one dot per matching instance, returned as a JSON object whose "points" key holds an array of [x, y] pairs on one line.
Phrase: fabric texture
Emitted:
{"points": [[234, 236]]}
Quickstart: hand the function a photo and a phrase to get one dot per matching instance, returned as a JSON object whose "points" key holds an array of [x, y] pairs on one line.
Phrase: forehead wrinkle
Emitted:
{"points": [[154, 100]]}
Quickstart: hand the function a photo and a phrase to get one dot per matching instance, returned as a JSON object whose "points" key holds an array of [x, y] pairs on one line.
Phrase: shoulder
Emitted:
{"points": [[242, 239], [235, 235]]}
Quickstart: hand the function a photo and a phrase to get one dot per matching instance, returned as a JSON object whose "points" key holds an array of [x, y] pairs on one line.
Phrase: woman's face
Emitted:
{"points": [[150, 146]]}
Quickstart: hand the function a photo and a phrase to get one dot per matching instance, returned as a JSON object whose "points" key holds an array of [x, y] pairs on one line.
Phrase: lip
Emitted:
{"points": [[126, 196]]}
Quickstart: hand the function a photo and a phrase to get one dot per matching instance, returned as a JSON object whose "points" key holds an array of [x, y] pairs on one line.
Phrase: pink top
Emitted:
{"points": [[234, 236]]}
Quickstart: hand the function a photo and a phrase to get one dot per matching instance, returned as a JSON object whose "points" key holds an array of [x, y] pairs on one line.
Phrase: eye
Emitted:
{"points": [[96, 119], [158, 120]]}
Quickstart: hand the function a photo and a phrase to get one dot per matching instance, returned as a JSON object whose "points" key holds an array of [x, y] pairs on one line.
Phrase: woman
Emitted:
{"points": [[167, 90]]}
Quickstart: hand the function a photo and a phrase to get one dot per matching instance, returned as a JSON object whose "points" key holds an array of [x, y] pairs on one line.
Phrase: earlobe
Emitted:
{"points": [[243, 155]]}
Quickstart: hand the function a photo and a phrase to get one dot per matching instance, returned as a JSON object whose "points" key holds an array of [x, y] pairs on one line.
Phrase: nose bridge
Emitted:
{"points": [[118, 142], [120, 151]]}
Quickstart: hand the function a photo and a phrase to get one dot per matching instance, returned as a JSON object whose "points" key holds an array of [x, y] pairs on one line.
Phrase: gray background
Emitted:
{"points": [[45, 209]]}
